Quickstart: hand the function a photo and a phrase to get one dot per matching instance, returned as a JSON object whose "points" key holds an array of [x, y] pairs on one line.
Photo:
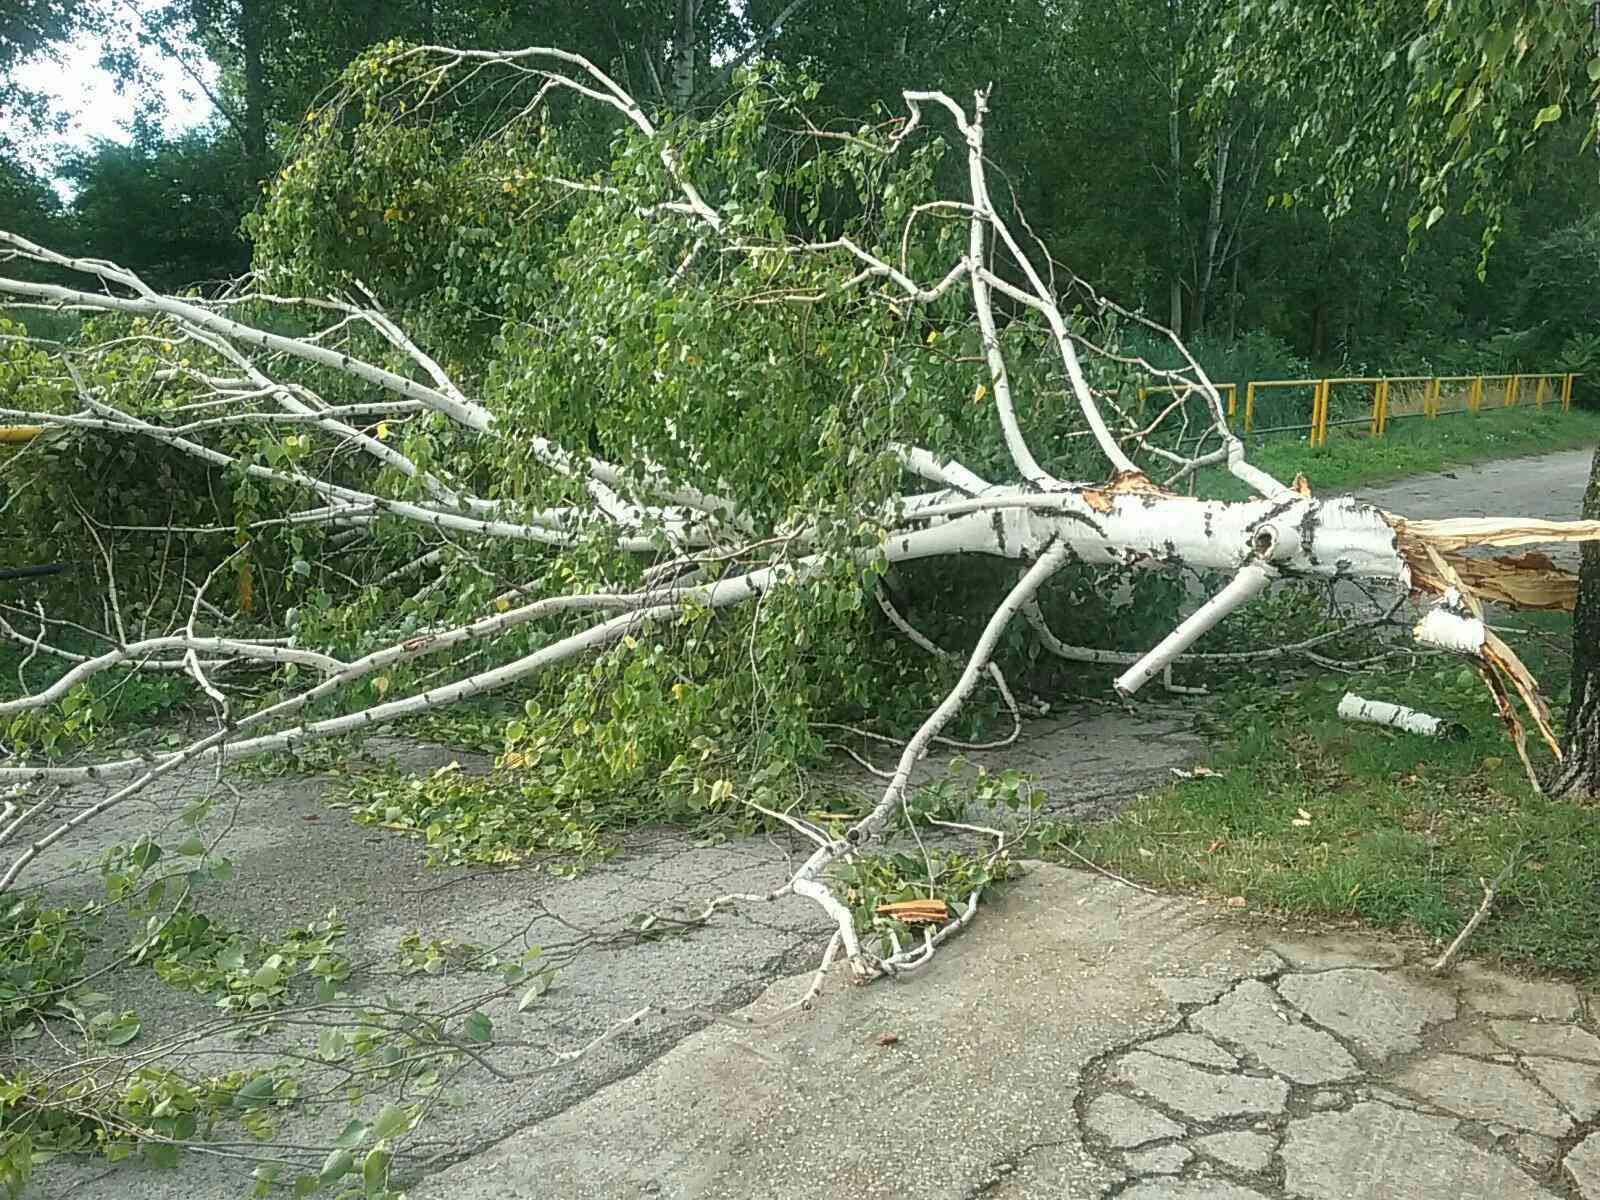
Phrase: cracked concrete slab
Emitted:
{"points": [[1467, 1087], [1190, 1189], [1553, 1041], [1376, 1152], [1243, 1151], [1125, 1123], [1252, 1018], [1495, 994], [1190, 1047], [1158, 1160], [1199, 1094], [1381, 1013], [1582, 1166], [1576, 1085]]}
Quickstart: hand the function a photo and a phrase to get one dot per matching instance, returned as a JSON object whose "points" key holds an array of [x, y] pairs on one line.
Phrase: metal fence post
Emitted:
{"points": [[1249, 405], [1475, 396]]}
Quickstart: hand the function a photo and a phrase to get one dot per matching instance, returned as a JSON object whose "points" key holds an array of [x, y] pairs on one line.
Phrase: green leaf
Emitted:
{"points": [[255, 1093], [375, 1169], [121, 1033], [541, 985], [1550, 112], [478, 1028], [1433, 217], [391, 1120], [1594, 70], [191, 846], [337, 1165]]}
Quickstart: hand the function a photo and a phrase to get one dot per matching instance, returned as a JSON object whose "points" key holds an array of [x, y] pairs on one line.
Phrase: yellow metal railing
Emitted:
{"points": [[1554, 386], [1263, 384], [16, 435]]}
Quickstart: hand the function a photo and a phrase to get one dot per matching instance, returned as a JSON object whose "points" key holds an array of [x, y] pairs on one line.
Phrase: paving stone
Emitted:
{"points": [[1576, 1085], [1323, 1101], [1192, 989], [1381, 1013], [1191, 1047], [1158, 1160], [1395, 1099], [1124, 1123], [1241, 1151], [1538, 1152], [1201, 1095], [1264, 964], [1189, 1189], [1326, 953], [1376, 1152], [1582, 1165], [1553, 1041], [1473, 1039], [1497, 994], [1252, 1017], [1484, 1091]]}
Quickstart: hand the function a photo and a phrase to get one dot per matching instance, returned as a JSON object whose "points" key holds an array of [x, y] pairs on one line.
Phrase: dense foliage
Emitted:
{"points": [[1178, 150]]}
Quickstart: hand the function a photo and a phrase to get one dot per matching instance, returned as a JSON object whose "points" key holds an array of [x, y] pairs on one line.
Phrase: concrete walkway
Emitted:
{"points": [[1089, 1040]]}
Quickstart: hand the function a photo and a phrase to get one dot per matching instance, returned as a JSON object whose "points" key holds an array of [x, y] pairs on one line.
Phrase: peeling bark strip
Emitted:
{"points": [[716, 553]]}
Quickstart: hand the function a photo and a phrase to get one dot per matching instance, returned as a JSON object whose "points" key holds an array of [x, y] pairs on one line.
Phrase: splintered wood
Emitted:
{"points": [[1455, 623], [1529, 580], [915, 912]]}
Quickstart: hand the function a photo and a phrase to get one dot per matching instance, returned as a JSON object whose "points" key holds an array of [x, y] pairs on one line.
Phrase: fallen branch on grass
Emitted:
{"points": [[1490, 890], [1396, 716]]}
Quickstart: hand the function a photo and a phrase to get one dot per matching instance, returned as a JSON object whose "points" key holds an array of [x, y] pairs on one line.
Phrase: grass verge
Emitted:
{"points": [[1413, 446], [1309, 816]]}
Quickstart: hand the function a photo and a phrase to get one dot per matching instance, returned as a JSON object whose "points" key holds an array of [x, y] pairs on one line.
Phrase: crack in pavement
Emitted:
{"points": [[1320, 1091]]}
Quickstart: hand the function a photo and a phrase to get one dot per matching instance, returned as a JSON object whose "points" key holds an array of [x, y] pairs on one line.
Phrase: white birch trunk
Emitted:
{"points": [[1395, 716]]}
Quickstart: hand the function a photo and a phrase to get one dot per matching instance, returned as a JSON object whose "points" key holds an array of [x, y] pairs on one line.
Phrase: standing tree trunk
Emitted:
{"points": [[252, 36], [1581, 774], [1175, 248], [1208, 268], [1175, 218], [683, 53]]}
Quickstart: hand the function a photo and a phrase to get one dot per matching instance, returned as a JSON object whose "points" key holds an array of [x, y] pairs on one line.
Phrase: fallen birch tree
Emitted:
{"points": [[499, 406]]}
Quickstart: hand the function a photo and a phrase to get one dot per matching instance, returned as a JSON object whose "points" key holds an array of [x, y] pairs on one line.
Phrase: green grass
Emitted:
{"points": [[1316, 818], [1412, 446]]}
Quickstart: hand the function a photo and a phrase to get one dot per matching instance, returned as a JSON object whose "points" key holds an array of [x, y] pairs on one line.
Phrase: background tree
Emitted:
{"points": [[1447, 104], [168, 207]]}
